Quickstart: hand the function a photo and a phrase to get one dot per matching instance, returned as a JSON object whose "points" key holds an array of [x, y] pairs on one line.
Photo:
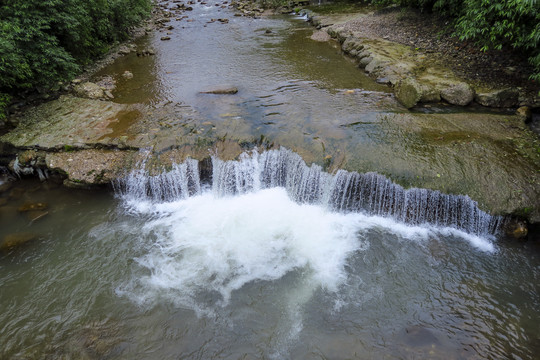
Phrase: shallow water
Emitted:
{"points": [[305, 95], [292, 90], [255, 276]]}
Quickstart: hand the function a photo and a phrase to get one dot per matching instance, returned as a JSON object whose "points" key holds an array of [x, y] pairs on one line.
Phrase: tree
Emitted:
{"points": [[43, 42]]}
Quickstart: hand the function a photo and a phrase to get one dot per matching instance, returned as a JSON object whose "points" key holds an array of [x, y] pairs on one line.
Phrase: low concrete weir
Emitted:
{"points": [[343, 191]]}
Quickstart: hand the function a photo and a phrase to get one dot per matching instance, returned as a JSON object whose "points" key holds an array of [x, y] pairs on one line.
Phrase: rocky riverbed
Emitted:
{"points": [[489, 155]]}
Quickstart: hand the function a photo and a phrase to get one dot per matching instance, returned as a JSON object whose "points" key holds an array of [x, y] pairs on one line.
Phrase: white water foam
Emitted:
{"points": [[203, 248]]}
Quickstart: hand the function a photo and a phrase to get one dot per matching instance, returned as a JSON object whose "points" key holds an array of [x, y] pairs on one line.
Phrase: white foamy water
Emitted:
{"points": [[343, 191], [201, 249]]}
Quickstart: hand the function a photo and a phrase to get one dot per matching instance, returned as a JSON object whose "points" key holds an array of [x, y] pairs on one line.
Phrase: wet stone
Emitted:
{"points": [[420, 336], [501, 98], [124, 50], [146, 52], [517, 229], [32, 207], [11, 241], [524, 112], [221, 90]]}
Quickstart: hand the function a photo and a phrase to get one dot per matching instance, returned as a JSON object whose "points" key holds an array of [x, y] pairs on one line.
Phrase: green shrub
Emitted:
{"points": [[46, 41], [493, 24], [4, 103]]}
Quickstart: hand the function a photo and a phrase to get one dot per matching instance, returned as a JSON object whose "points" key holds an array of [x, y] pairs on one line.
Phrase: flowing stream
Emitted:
{"points": [[264, 257], [241, 265]]}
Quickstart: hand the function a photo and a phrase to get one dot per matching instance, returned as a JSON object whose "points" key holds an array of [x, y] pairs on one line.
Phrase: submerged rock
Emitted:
{"points": [[221, 90], [11, 241], [16, 193], [32, 207], [458, 94], [34, 216], [5, 186], [321, 36]]}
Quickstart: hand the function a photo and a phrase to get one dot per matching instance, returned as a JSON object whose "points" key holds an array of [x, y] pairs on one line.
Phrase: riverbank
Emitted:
{"points": [[417, 55]]}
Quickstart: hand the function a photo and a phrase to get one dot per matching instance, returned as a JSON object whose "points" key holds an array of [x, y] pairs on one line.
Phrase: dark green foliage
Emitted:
{"points": [[4, 102], [496, 23], [46, 41], [491, 24]]}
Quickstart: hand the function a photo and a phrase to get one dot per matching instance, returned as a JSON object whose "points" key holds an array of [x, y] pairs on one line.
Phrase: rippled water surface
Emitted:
{"points": [[254, 275]]}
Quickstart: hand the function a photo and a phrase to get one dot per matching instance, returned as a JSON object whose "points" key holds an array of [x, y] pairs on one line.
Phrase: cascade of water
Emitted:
{"points": [[343, 191], [180, 182]]}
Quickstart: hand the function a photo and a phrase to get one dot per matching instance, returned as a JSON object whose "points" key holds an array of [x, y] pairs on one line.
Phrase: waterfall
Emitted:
{"points": [[179, 182], [343, 191]]}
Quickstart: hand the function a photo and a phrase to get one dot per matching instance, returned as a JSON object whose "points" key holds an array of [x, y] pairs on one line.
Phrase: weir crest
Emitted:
{"points": [[344, 191]]}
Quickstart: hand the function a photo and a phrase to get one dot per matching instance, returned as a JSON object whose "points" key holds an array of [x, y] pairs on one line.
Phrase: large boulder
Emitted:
{"points": [[500, 98], [408, 92], [458, 94]]}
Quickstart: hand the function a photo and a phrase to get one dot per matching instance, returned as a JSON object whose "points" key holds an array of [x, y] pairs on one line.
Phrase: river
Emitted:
{"points": [[259, 260]]}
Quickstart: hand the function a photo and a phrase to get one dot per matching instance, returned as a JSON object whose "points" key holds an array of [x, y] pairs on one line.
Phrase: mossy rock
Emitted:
{"points": [[408, 92]]}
